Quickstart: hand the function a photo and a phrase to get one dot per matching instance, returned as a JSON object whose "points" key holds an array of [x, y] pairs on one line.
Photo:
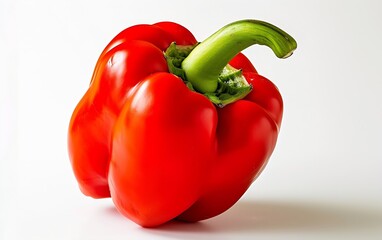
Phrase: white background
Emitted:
{"points": [[324, 180]]}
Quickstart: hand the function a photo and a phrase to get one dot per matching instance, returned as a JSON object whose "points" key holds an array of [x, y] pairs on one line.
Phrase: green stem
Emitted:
{"points": [[206, 61]]}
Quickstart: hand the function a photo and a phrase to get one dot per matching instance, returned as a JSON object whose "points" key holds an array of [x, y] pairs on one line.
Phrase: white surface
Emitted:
{"points": [[324, 180]]}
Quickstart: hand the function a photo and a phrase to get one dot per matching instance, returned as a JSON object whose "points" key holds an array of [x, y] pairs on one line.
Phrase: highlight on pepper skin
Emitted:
{"points": [[172, 128]]}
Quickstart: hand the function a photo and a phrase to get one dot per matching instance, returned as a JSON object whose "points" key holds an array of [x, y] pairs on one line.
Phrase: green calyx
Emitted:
{"points": [[204, 67], [175, 55], [231, 85]]}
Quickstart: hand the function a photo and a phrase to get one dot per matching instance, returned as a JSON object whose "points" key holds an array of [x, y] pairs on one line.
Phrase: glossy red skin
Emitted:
{"points": [[246, 136], [163, 143], [158, 149], [240, 61], [90, 129]]}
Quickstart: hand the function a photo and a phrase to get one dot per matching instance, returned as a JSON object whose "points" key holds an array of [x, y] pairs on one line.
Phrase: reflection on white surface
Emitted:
{"points": [[255, 218], [248, 219]]}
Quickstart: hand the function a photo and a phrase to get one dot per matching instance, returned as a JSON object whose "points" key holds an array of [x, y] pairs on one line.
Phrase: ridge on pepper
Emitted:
{"points": [[171, 128]]}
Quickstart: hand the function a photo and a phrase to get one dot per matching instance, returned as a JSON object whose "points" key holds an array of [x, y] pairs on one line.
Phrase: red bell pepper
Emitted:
{"points": [[175, 129]]}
